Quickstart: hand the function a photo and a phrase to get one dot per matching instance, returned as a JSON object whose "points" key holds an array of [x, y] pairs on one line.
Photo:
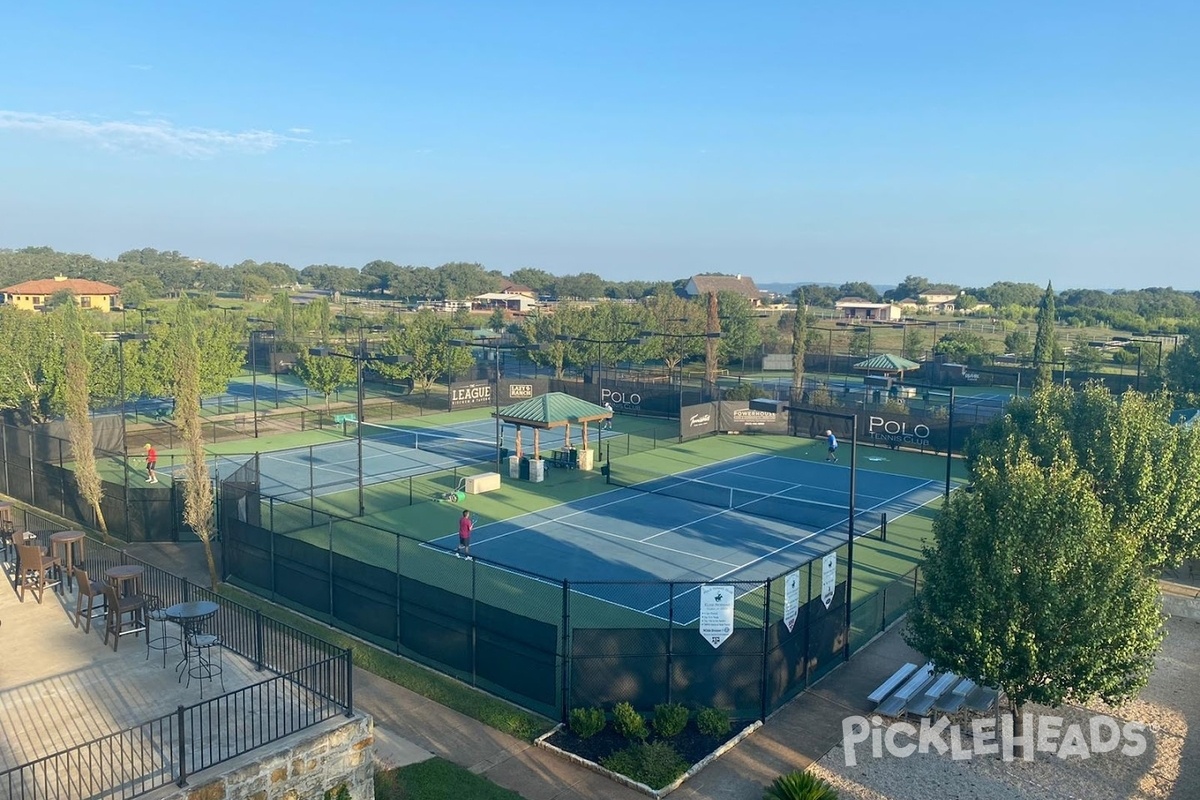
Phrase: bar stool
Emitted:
{"points": [[201, 665], [156, 612]]}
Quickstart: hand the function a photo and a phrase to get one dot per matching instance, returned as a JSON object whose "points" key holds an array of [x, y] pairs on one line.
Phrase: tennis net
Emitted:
{"points": [[447, 444], [781, 505]]}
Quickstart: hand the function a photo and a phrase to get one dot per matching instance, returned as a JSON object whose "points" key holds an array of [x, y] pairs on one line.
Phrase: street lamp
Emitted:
{"points": [[358, 359]]}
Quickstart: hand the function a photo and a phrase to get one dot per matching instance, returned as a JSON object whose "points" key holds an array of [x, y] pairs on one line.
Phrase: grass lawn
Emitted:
{"points": [[437, 779]]}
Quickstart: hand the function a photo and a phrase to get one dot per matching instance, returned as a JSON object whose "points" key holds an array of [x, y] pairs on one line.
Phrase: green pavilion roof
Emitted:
{"points": [[552, 409], [886, 362]]}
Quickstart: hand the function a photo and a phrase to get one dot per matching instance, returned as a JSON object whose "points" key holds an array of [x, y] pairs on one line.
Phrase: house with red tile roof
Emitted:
{"points": [[34, 295]]}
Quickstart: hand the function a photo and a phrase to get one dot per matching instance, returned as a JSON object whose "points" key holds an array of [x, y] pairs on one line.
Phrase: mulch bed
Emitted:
{"points": [[691, 744]]}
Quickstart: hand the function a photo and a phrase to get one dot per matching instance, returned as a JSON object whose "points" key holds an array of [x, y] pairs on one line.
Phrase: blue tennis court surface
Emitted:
{"points": [[389, 453], [630, 535]]}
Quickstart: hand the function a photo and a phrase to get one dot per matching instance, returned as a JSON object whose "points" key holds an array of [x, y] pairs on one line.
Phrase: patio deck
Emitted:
{"points": [[61, 688]]}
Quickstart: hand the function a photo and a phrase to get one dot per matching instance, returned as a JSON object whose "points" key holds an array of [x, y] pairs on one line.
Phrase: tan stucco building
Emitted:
{"points": [[33, 295]]}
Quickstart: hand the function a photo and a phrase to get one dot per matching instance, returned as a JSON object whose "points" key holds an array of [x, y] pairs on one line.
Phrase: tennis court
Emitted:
{"points": [[389, 453], [747, 518]]}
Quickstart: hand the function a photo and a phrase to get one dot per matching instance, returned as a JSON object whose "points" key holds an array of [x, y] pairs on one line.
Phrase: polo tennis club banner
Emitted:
{"points": [[884, 429], [478, 394], [730, 416]]}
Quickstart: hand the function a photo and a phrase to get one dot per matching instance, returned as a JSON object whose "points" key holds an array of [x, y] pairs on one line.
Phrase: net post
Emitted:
{"points": [[883, 526]]}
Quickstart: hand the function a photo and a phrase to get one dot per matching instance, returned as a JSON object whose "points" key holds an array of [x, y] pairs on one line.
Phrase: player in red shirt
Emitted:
{"points": [[465, 524], [151, 461]]}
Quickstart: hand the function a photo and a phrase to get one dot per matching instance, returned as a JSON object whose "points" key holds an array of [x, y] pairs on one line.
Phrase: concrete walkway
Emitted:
{"points": [[410, 728]]}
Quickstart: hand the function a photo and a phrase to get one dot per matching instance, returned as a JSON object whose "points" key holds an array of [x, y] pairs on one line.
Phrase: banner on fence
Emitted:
{"points": [[699, 420], [478, 394], [736, 416]]}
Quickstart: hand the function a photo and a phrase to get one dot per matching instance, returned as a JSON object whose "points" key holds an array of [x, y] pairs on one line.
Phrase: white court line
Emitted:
{"points": [[827, 529], [647, 542], [630, 496]]}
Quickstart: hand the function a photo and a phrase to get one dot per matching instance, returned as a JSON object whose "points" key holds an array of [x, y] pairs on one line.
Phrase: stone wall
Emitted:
{"points": [[301, 767]]}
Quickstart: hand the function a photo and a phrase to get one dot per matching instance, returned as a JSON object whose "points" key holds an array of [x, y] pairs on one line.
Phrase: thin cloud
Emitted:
{"points": [[150, 135], [300, 131]]}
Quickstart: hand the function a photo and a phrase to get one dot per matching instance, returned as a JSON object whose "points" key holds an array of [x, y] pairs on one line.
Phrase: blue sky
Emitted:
{"points": [[791, 141]]}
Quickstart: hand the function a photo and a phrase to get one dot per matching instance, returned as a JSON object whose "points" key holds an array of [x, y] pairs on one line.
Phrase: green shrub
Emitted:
{"points": [[656, 764], [745, 391], [629, 723], [586, 722], [340, 793], [712, 722], [800, 786], [670, 719]]}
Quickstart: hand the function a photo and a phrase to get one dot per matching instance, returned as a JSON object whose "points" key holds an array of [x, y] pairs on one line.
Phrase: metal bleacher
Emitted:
{"points": [[915, 691]]}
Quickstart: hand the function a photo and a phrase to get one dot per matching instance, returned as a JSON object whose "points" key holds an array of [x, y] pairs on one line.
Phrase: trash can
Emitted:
{"points": [[524, 475], [503, 454]]}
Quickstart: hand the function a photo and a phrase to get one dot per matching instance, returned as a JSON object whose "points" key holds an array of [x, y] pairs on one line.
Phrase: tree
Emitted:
{"points": [[961, 346], [326, 374], [1182, 367], [1142, 466], [134, 294], [31, 362], [538, 280], [799, 340], [544, 329], [198, 492], [740, 332], [426, 339], [1044, 342], [460, 281], [1018, 343], [913, 344], [666, 312], [78, 408], [859, 289], [713, 325], [860, 343], [584, 286], [1028, 589], [498, 319], [912, 287]]}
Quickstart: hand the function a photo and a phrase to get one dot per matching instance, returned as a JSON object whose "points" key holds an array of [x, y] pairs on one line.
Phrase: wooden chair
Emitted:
{"points": [[33, 570], [115, 622], [91, 590]]}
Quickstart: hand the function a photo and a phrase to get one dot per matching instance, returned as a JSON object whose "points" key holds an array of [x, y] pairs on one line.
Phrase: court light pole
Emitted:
{"points": [[121, 338], [254, 333], [358, 360]]}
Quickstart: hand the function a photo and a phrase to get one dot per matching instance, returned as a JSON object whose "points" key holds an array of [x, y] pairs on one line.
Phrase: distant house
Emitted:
{"points": [[860, 308], [936, 303], [735, 284], [518, 303], [33, 295], [508, 287]]}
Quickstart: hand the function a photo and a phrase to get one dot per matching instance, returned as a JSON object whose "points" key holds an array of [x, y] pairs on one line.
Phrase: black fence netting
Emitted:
{"points": [[547, 644]]}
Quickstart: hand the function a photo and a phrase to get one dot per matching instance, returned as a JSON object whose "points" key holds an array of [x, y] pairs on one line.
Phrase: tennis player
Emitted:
{"points": [[831, 440], [465, 525], [151, 462]]}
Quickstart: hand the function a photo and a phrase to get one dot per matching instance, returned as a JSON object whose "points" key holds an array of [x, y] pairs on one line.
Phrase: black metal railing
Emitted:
{"points": [[166, 750], [313, 682]]}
